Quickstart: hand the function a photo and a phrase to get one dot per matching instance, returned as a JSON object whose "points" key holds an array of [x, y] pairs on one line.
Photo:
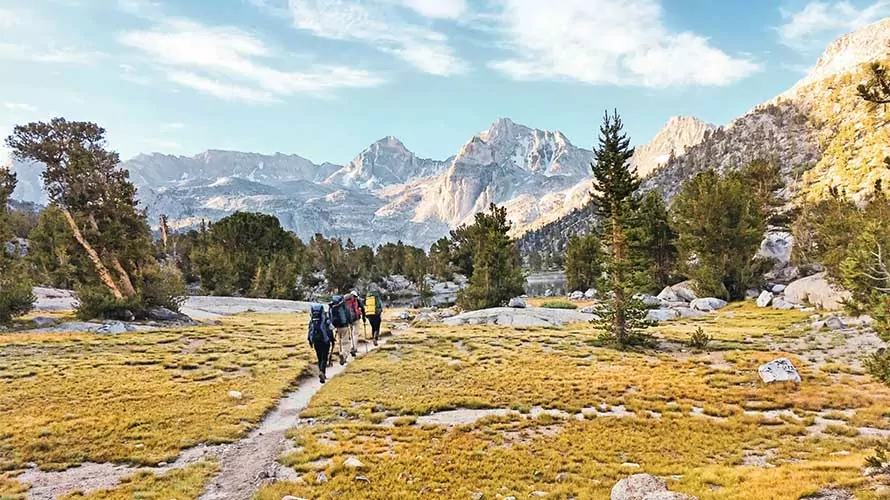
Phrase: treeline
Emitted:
{"points": [[710, 235]]}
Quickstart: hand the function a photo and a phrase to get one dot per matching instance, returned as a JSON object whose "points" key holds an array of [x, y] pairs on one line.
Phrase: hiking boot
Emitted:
{"points": [[342, 360], [354, 353], [375, 342], [321, 378]]}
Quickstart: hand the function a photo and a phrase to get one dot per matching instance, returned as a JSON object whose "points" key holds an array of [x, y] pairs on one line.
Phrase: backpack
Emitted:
{"points": [[355, 309], [373, 304], [339, 312], [318, 325]]}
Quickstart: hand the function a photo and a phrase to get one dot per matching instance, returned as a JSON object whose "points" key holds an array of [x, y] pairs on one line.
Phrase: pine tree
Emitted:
{"points": [[440, 259], [497, 273], [15, 284], [583, 265], [877, 90], [614, 186], [651, 241]]}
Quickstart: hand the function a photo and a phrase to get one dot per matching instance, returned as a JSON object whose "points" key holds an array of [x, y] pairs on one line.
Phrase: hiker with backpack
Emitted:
{"points": [[356, 313], [340, 318], [320, 338], [374, 313]]}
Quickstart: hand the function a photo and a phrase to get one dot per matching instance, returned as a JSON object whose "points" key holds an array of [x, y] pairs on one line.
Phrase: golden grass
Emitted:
{"points": [[180, 483], [141, 397], [708, 405]]}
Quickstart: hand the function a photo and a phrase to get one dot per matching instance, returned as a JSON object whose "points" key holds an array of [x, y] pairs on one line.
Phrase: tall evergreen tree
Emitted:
{"points": [[614, 185], [652, 244], [497, 273], [584, 262], [15, 284]]}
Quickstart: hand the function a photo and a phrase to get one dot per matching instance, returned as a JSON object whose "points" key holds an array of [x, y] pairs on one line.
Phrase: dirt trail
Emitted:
{"points": [[245, 465]]}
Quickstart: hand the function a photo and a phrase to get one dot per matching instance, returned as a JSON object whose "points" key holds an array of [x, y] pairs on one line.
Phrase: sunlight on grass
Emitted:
{"points": [[141, 397], [181, 483]]}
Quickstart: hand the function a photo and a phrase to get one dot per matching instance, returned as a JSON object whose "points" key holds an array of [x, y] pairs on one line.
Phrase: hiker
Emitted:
{"points": [[356, 314], [374, 313], [341, 321], [320, 337]]}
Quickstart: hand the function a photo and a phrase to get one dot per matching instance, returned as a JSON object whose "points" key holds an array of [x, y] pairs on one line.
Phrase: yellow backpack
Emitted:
{"points": [[370, 305]]}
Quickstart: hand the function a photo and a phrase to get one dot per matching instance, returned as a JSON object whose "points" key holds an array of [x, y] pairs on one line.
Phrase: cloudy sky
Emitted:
{"points": [[324, 78]]}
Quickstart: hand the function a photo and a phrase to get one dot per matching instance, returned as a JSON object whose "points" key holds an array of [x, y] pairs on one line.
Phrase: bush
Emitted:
{"points": [[878, 365], [699, 339], [635, 321], [97, 302], [15, 293], [163, 287], [558, 304], [879, 462]]}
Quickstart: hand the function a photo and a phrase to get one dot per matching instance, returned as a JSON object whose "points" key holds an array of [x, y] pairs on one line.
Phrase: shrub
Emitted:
{"points": [[635, 323], [97, 302], [164, 287], [699, 339], [558, 304], [15, 293], [879, 462], [878, 365]]}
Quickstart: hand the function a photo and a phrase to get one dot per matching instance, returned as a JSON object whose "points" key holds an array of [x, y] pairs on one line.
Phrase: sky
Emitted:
{"points": [[326, 78]]}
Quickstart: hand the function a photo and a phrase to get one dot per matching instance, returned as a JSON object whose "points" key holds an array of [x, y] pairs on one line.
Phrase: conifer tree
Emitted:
{"points": [[614, 186], [15, 284], [652, 244], [583, 266]]}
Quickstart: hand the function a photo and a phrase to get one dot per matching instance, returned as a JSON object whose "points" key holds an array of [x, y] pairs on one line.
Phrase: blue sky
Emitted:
{"points": [[325, 78]]}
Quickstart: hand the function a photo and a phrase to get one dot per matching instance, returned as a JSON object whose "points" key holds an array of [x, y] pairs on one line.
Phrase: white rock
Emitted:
{"points": [[636, 487], [662, 314], [777, 246], [765, 299], [235, 395], [688, 312], [781, 303], [291, 497], [588, 310], [779, 288], [668, 495], [353, 463], [668, 295], [779, 370], [816, 290], [321, 478], [835, 323], [516, 303], [649, 300], [708, 304], [752, 293], [684, 291], [577, 295], [590, 293], [113, 328]]}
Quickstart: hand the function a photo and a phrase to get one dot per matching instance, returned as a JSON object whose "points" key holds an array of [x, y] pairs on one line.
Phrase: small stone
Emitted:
{"points": [[835, 323], [765, 299], [478, 495], [321, 478], [562, 477], [362, 479], [353, 463], [588, 310], [516, 303], [538, 493], [631, 465], [291, 497], [235, 395]]}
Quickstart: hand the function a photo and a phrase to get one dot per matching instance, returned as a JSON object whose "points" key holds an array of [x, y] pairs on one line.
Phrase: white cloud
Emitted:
{"points": [[175, 125], [378, 24], [18, 106], [441, 9], [621, 42], [231, 64], [48, 54], [164, 143], [818, 22]]}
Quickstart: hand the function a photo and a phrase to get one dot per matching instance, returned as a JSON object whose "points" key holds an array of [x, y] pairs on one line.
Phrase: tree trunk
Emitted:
{"points": [[103, 272], [127, 285], [620, 323]]}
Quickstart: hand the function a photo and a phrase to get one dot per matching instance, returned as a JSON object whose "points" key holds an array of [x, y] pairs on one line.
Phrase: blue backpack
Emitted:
{"points": [[319, 331], [339, 313]]}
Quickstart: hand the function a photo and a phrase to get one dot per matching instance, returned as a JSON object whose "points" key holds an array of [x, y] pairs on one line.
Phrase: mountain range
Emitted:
{"points": [[819, 131]]}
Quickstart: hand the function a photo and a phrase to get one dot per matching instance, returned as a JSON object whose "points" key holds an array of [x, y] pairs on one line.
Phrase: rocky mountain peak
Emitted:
{"points": [[869, 43], [678, 134]]}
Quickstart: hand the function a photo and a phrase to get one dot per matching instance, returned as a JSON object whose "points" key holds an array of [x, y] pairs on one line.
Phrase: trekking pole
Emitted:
{"points": [[365, 334]]}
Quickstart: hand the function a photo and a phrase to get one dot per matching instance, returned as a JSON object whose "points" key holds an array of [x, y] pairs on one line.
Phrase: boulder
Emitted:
{"points": [[776, 246], [779, 370], [778, 288], [781, 303], [548, 292], [707, 304], [816, 290], [353, 463], [662, 314], [516, 303], [765, 299], [684, 291], [668, 295], [43, 321], [530, 316], [636, 487], [649, 300], [835, 323], [404, 316], [590, 294], [589, 310], [576, 295], [688, 312], [164, 314], [752, 293], [112, 328]]}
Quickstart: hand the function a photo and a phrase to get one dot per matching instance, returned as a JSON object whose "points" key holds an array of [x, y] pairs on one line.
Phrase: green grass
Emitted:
{"points": [[558, 304]]}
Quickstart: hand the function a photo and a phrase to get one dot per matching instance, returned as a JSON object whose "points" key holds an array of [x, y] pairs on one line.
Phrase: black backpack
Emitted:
{"points": [[318, 325], [339, 314]]}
